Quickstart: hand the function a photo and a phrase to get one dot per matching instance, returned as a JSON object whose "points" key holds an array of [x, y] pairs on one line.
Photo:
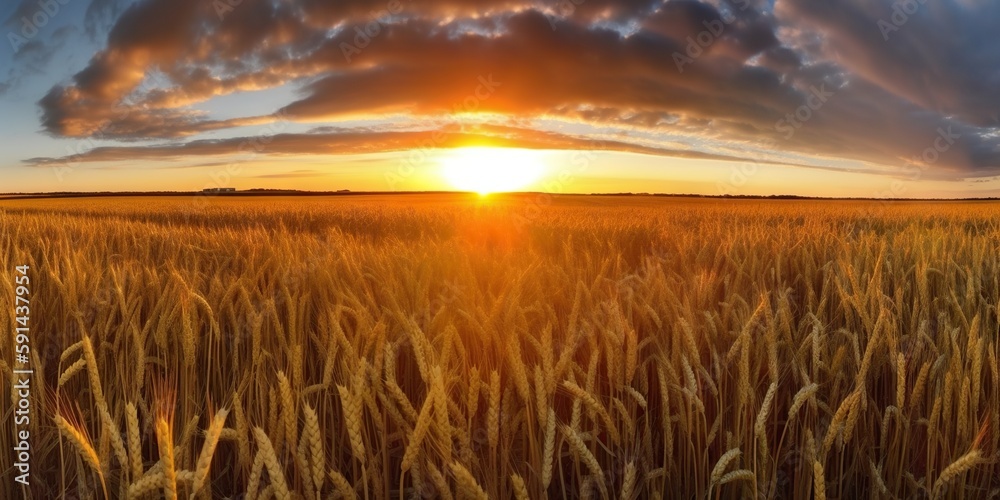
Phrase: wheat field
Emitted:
{"points": [[513, 347]]}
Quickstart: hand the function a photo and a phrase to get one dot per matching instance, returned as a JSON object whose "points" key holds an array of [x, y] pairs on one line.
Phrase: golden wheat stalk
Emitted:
{"points": [[343, 486], [583, 454], [79, 439], [629, 482], [353, 415], [312, 438], [819, 481], [288, 409], [208, 449], [146, 485], [70, 371], [467, 484], [117, 444], [548, 448], [760, 425], [442, 489], [591, 402], [92, 371], [134, 441], [165, 440], [493, 412], [520, 489], [805, 394], [424, 422], [960, 466], [253, 481], [900, 381], [723, 463], [739, 475], [270, 460], [242, 431]]}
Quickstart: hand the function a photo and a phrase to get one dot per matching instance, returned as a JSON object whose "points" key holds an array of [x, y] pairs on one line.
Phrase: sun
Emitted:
{"points": [[486, 170]]}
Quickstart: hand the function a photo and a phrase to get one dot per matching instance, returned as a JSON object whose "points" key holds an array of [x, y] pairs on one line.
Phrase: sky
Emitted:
{"points": [[856, 98]]}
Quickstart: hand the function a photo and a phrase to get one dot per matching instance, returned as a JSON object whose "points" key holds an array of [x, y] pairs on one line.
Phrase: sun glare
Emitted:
{"points": [[487, 170]]}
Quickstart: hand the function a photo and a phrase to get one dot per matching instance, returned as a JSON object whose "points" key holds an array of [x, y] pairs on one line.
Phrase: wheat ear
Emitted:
{"points": [[352, 418], [117, 444], [80, 441], [146, 484], [583, 454], [344, 487], [208, 449], [819, 481], [164, 438], [549, 448], [467, 485], [957, 468], [312, 438], [270, 459], [723, 464], [629, 482], [424, 422], [288, 411], [134, 440], [520, 489], [493, 412], [72, 370]]}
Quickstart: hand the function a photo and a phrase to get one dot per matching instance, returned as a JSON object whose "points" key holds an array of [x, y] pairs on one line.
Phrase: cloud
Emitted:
{"points": [[796, 77], [344, 142], [295, 174], [101, 15], [37, 31], [939, 56]]}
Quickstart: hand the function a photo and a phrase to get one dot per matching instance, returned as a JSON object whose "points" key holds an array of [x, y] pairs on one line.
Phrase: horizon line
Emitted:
{"points": [[300, 192]]}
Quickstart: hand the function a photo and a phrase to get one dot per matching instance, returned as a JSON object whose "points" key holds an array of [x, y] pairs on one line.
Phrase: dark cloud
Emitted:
{"points": [[826, 80], [35, 55], [343, 142], [24, 8], [943, 56]]}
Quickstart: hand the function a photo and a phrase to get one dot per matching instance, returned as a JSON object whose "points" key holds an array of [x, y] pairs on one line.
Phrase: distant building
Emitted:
{"points": [[219, 190]]}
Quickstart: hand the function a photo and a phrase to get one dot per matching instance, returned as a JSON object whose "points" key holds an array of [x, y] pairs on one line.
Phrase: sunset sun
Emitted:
{"points": [[487, 170]]}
